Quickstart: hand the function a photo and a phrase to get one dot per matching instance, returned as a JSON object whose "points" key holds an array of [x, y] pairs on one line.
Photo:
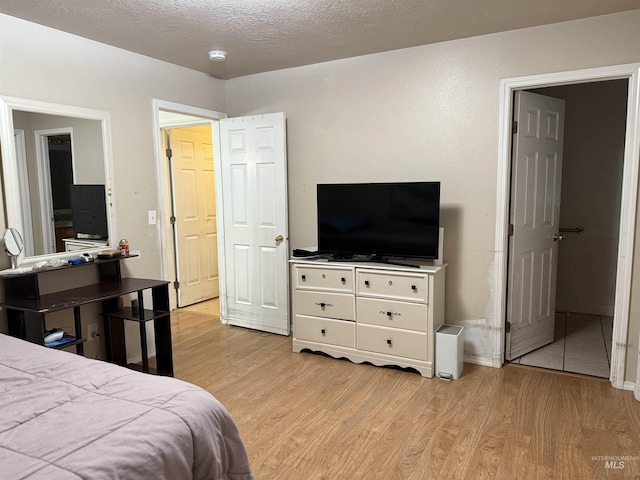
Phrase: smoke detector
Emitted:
{"points": [[217, 55]]}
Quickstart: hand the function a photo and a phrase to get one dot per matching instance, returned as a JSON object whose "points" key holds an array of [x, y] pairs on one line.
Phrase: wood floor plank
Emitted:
{"points": [[307, 416]]}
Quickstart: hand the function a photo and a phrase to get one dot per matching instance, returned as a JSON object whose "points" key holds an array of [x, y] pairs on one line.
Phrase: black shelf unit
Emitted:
{"points": [[26, 309]]}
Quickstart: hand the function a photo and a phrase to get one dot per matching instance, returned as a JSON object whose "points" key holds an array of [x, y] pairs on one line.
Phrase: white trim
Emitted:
{"points": [[627, 214], [10, 168], [25, 198], [479, 360], [167, 269]]}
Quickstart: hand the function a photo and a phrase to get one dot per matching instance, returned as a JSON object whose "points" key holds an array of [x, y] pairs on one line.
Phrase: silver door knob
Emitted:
{"points": [[557, 237], [279, 238]]}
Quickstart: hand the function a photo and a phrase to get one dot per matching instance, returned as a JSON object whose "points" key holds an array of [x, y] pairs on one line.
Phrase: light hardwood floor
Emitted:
{"points": [[306, 416]]}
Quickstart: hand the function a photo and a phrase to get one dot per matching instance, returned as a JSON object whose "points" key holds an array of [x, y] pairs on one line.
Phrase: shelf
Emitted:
{"points": [[79, 296], [70, 341], [26, 309], [128, 314], [35, 271]]}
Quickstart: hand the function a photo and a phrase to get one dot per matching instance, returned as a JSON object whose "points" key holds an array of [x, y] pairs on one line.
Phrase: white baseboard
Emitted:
{"points": [[478, 360]]}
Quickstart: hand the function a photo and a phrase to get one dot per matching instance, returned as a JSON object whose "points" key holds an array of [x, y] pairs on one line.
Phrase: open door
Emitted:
{"points": [[536, 175], [195, 214], [256, 252]]}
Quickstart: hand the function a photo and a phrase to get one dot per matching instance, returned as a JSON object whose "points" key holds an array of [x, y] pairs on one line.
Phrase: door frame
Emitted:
{"points": [[629, 198], [43, 165], [162, 173], [25, 198]]}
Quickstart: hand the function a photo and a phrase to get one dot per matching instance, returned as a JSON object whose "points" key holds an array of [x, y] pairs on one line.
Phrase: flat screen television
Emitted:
{"points": [[379, 220], [89, 211]]}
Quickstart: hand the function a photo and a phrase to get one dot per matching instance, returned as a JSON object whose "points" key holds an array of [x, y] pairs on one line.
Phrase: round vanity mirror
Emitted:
{"points": [[13, 245]]}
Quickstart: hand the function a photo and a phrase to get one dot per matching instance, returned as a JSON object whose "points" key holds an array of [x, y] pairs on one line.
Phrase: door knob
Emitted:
{"points": [[557, 237], [279, 238]]}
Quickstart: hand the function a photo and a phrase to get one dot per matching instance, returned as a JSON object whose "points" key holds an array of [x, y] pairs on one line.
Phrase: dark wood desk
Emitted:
{"points": [[26, 310]]}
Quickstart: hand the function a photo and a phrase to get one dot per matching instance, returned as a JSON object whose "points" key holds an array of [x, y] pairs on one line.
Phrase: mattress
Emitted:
{"points": [[63, 416]]}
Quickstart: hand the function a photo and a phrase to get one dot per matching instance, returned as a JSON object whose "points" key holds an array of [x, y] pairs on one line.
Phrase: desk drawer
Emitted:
{"points": [[391, 313], [392, 285], [392, 341], [325, 304], [330, 279], [325, 330]]}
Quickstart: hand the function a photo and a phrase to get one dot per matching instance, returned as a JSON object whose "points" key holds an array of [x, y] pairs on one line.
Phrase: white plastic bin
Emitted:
{"points": [[449, 351]]}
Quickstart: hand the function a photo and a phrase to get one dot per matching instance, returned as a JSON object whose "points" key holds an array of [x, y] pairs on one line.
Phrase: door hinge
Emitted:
{"points": [[176, 285], [172, 220], [514, 127], [511, 229], [507, 327], [169, 153]]}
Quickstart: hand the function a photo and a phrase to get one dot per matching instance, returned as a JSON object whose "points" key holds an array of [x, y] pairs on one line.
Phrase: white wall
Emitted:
{"points": [[427, 113], [44, 64]]}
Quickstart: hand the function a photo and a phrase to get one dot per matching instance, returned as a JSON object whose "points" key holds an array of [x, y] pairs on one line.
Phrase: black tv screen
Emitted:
{"points": [[89, 210], [379, 219]]}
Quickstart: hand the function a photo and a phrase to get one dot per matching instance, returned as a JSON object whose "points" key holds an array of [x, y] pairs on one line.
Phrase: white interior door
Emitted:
{"points": [[254, 179], [534, 216], [195, 213]]}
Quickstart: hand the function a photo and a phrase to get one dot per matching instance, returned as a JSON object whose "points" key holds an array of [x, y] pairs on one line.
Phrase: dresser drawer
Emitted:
{"points": [[331, 279], [325, 304], [399, 286], [391, 341], [325, 330], [391, 313]]}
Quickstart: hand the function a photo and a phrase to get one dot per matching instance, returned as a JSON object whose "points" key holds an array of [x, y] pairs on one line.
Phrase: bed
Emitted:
{"points": [[63, 416]]}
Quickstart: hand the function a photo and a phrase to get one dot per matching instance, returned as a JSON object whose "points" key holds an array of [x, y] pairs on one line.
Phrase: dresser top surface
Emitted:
{"points": [[408, 265]]}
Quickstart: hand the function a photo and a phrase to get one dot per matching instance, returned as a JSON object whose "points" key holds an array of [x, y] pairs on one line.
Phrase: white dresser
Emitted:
{"points": [[73, 244], [368, 312]]}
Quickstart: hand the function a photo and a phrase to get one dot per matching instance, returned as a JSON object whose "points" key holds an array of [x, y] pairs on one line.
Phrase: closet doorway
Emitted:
{"points": [[190, 207]]}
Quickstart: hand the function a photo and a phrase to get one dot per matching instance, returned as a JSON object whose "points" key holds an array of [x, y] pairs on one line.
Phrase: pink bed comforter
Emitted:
{"points": [[63, 416]]}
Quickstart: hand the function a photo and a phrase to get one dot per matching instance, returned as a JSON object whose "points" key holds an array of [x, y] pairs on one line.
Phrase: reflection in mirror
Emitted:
{"points": [[63, 151], [55, 149], [13, 245]]}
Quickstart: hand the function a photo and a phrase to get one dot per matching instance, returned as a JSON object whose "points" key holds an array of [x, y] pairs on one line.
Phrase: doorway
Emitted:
{"points": [[189, 154], [627, 208], [589, 225], [56, 172], [250, 158], [189, 207]]}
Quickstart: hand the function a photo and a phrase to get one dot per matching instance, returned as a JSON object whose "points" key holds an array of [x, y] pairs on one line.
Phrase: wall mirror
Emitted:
{"points": [[57, 177]]}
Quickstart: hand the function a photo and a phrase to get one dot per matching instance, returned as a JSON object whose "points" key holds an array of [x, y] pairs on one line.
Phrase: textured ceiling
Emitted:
{"points": [[265, 35]]}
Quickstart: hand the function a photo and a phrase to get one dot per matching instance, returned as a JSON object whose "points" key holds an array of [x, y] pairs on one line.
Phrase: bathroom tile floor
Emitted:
{"points": [[582, 345]]}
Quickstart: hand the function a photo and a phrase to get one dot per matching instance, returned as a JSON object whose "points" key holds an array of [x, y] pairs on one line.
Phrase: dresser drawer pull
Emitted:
{"points": [[414, 288], [322, 305], [389, 314], [304, 278], [323, 332], [389, 342], [366, 283], [390, 283], [343, 280]]}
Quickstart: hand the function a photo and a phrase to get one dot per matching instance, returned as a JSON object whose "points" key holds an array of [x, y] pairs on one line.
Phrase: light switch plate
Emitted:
{"points": [[152, 217]]}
